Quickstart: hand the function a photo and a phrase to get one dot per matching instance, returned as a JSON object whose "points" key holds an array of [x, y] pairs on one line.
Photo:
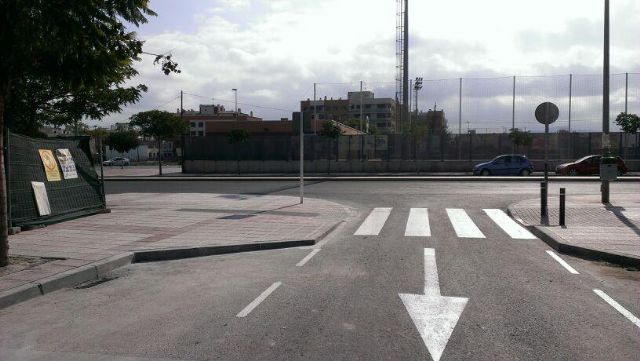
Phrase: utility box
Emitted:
{"points": [[609, 169]]}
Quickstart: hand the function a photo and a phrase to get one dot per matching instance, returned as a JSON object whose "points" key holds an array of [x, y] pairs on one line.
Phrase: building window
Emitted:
{"points": [[200, 124], [193, 124], [200, 133], [192, 133], [367, 106]]}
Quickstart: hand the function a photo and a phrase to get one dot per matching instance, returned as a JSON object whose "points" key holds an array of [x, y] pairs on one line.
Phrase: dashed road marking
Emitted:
{"points": [[307, 257], [562, 262], [247, 310], [618, 307]]}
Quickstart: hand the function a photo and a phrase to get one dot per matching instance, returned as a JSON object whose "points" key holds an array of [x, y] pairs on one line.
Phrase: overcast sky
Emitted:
{"points": [[274, 50]]}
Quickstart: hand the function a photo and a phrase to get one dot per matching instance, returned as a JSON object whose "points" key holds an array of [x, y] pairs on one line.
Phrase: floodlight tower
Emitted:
{"points": [[402, 63]]}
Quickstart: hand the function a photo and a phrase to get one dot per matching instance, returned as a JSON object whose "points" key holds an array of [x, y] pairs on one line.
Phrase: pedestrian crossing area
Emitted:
{"points": [[418, 224]]}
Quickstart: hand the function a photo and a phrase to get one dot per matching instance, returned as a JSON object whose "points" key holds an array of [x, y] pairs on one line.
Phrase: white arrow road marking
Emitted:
{"points": [[513, 229], [562, 262], [418, 223], [247, 310], [618, 307], [435, 316], [463, 225], [374, 222]]}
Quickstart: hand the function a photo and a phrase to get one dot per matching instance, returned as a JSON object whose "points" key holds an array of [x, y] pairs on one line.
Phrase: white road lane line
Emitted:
{"points": [[463, 225], [418, 223], [307, 257], [562, 262], [513, 229], [247, 310], [618, 307], [374, 222]]}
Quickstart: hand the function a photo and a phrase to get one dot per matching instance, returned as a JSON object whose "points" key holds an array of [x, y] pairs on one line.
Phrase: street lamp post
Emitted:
{"points": [[417, 86]]}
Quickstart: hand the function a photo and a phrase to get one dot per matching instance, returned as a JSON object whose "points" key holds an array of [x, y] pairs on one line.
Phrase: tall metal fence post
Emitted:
{"points": [[569, 147], [460, 121], [513, 112], [301, 159], [562, 206]]}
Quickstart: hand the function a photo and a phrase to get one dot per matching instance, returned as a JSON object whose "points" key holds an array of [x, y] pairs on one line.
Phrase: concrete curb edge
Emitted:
{"points": [[90, 272], [580, 252]]}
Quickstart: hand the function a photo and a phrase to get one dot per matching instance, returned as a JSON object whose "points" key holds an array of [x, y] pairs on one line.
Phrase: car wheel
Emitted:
{"points": [[573, 172], [485, 172], [525, 172]]}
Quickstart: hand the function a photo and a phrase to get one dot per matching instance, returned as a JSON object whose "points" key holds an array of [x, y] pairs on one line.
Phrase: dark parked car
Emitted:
{"points": [[505, 165], [589, 165]]}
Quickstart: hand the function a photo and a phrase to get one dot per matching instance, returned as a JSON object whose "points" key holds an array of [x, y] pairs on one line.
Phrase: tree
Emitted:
{"points": [[160, 125], [70, 47], [237, 137], [123, 140], [519, 137], [332, 132], [629, 123]]}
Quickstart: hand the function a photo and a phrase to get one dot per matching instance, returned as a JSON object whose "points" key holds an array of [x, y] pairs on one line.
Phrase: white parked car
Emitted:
{"points": [[116, 161]]}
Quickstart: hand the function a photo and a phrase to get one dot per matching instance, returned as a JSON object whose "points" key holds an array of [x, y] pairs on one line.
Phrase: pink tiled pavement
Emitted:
{"points": [[149, 220]]}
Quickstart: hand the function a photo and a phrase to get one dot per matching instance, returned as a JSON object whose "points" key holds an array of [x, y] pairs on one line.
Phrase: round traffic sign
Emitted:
{"points": [[547, 113]]}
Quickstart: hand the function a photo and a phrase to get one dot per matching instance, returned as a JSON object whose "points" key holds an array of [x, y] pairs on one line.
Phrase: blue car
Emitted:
{"points": [[505, 165]]}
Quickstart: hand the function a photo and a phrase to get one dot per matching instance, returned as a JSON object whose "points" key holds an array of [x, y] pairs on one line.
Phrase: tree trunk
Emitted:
{"points": [[160, 156], [4, 237]]}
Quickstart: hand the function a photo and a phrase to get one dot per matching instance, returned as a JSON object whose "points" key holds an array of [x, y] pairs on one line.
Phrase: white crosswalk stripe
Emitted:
{"points": [[513, 229], [463, 225], [418, 223], [374, 222]]}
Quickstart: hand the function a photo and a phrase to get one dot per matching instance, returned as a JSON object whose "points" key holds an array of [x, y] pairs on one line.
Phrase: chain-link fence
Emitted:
{"points": [[495, 105]]}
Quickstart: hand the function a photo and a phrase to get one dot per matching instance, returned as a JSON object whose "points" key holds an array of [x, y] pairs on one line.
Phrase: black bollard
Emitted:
{"points": [[543, 199], [562, 206]]}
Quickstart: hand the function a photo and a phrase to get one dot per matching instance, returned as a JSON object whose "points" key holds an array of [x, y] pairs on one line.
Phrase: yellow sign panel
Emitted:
{"points": [[50, 165]]}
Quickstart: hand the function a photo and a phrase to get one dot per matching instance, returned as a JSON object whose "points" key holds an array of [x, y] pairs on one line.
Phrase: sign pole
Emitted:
{"points": [[546, 113]]}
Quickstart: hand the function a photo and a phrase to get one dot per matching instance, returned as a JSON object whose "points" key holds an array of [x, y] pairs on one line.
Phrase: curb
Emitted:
{"points": [[585, 253], [90, 272], [169, 254], [362, 178]]}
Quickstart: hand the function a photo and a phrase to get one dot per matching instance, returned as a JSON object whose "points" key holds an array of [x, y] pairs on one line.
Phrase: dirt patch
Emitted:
{"points": [[17, 264]]}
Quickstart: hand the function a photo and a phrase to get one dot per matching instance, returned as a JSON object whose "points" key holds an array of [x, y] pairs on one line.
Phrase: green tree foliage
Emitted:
{"points": [[123, 140], [75, 49], [330, 130], [160, 125], [520, 138], [630, 123], [237, 136]]}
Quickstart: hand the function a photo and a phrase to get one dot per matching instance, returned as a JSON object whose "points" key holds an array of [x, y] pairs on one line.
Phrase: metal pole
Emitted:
{"points": [[99, 139], [460, 109], [546, 152], [410, 99], [562, 206], [513, 112], [315, 113], [570, 145], [543, 202], [626, 91], [361, 106], [302, 159], [605, 100], [405, 62]]}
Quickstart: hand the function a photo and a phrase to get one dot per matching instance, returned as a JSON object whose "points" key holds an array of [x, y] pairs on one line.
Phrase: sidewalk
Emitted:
{"points": [[593, 230], [149, 226]]}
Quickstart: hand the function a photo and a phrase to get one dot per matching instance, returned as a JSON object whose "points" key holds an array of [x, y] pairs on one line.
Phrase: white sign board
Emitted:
{"points": [[42, 200], [67, 164]]}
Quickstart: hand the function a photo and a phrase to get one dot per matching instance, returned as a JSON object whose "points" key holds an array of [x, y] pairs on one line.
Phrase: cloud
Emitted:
{"points": [[273, 51]]}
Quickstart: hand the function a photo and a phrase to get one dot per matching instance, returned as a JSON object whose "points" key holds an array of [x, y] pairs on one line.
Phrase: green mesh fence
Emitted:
{"points": [[68, 198]]}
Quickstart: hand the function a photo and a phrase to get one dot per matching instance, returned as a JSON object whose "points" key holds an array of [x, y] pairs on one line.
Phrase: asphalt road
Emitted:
{"points": [[342, 301]]}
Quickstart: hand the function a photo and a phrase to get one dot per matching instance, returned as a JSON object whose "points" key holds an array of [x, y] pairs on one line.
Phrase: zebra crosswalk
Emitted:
{"points": [[418, 224]]}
